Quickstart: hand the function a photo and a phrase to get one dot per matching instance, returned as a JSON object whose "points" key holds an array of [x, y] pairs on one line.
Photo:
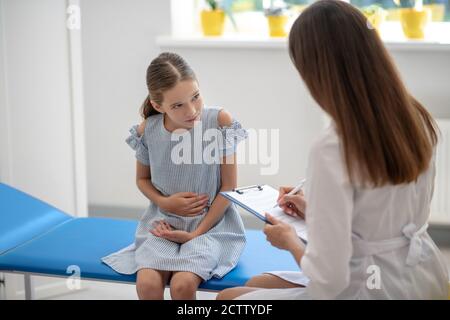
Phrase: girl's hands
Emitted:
{"points": [[281, 235], [164, 230], [293, 205], [186, 204]]}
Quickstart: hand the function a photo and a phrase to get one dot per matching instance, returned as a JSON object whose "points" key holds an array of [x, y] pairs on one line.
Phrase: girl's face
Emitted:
{"points": [[182, 105]]}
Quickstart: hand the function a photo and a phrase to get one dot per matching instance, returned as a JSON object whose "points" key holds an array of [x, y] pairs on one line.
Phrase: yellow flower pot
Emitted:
{"points": [[277, 25], [414, 21], [213, 22], [437, 11]]}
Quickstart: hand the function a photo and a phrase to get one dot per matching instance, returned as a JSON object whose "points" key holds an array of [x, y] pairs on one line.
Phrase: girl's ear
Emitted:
{"points": [[156, 106]]}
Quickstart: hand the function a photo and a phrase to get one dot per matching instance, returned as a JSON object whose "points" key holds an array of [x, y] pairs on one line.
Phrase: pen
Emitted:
{"points": [[295, 190]]}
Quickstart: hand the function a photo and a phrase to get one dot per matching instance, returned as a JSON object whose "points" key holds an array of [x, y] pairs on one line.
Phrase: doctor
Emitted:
{"points": [[370, 175]]}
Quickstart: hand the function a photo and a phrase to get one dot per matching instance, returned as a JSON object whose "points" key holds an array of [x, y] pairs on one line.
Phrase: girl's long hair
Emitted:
{"points": [[163, 73], [387, 135]]}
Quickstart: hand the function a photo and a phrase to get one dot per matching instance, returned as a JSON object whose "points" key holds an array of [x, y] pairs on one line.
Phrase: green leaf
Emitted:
{"points": [[212, 4]]}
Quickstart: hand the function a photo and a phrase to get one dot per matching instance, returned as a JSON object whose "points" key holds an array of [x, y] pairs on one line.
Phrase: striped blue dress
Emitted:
{"points": [[212, 254]]}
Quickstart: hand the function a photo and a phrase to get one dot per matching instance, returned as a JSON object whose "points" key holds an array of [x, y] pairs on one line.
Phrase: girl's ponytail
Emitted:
{"points": [[147, 109]]}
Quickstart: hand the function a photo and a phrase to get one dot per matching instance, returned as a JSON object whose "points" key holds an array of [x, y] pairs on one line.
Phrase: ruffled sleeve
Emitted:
{"points": [[138, 144], [232, 136]]}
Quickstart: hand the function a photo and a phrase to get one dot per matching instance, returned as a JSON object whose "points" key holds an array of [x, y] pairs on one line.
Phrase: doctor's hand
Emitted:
{"points": [[293, 205], [281, 235]]}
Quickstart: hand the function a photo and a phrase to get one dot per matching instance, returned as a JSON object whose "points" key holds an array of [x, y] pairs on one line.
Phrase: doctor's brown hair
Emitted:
{"points": [[163, 73], [387, 135]]}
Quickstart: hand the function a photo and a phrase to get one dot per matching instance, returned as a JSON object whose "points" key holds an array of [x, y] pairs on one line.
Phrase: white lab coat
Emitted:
{"points": [[365, 243]]}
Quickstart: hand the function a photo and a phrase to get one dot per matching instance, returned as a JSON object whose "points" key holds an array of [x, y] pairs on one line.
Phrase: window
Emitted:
{"points": [[440, 9], [246, 18]]}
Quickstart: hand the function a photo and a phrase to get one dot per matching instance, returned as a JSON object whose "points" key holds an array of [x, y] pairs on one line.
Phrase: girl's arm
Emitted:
{"points": [[143, 176], [228, 172], [144, 183]]}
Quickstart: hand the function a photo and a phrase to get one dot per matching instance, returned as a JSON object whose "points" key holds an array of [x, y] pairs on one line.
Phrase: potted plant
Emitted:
{"points": [[437, 8], [297, 6], [277, 18], [212, 19], [375, 15], [413, 18]]}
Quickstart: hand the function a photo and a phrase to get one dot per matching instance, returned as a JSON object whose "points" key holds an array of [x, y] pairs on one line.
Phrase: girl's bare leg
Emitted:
{"points": [[184, 285], [150, 284]]}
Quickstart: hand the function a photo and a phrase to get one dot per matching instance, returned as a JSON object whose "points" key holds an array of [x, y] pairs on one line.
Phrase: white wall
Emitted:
{"points": [[4, 132], [36, 117], [427, 76], [118, 39], [37, 102]]}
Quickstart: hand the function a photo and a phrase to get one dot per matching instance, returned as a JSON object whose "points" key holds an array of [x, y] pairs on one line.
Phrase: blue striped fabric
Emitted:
{"points": [[212, 254]]}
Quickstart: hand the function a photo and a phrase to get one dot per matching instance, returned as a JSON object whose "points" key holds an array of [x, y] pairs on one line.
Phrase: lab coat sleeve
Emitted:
{"points": [[329, 197]]}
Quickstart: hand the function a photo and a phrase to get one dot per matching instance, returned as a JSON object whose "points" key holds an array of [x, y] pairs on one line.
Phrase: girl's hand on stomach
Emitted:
{"points": [[164, 230], [186, 204]]}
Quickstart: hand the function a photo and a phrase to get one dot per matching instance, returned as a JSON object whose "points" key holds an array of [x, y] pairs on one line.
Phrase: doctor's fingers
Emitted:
{"points": [[297, 200], [268, 229], [284, 190], [292, 211]]}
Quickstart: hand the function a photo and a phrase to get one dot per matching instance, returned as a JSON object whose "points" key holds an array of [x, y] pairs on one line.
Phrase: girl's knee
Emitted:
{"points": [[182, 288], [149, 289]]}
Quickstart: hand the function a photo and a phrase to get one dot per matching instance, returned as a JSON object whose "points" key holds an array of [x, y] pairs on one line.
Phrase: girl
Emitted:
{"points": [[189, 233], [370, 175]]}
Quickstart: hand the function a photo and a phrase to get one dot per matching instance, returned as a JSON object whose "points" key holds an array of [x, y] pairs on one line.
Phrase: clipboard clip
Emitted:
{"points": [[241, 190]]}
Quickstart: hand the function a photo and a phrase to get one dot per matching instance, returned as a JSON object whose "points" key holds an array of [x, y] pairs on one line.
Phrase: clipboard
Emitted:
{"points": [[258, 199]]}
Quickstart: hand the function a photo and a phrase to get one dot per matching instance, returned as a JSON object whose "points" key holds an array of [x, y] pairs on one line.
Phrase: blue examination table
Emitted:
{"points": [[36, 238]]}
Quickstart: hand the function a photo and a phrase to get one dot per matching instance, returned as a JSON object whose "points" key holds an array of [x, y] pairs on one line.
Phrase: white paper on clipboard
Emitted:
{"points": [[260, 199]]}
